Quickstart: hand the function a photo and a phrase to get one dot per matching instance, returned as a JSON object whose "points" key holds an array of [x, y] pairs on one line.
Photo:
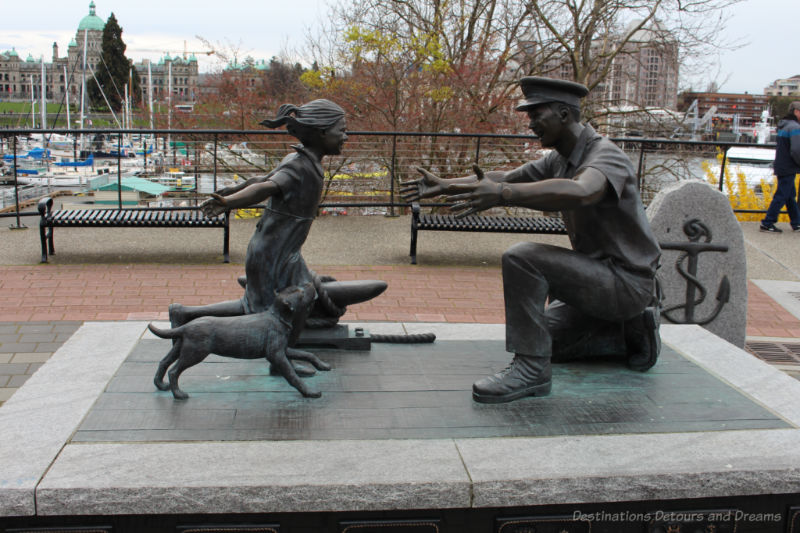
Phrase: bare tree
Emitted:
{"points": [[628, 52], [483, 46]]}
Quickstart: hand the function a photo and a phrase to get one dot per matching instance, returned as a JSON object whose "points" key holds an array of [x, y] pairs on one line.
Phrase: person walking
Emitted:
{"points": [[786, 166]]}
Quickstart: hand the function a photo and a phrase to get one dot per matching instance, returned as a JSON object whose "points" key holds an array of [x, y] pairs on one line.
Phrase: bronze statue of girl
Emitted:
{"points": [[293, 190]]}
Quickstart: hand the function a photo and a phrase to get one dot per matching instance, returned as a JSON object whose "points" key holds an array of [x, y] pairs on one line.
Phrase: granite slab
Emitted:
{"points": [[659, 466], [38, 420], [91, 478], [398, 391]]}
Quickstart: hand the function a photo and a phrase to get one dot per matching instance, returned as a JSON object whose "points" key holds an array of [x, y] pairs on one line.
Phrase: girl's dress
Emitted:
{"points": [[273, 261]]}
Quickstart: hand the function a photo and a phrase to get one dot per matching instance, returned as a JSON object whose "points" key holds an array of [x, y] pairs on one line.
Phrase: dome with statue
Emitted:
{"points": [[91, 21]]}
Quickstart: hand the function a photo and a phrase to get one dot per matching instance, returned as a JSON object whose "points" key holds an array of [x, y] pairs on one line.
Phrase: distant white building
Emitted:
{"points": [[784, 87]]}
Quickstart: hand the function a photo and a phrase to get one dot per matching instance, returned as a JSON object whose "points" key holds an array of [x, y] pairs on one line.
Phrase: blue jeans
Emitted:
{"points": [[784, 196]]}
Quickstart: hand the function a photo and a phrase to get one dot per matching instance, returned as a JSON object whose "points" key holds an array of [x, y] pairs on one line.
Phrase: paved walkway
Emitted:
{"points": [[135, 274], [415, 294]]}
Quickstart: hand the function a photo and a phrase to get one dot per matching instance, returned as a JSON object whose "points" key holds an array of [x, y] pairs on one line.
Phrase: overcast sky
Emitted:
{"points": [[266, 28]]}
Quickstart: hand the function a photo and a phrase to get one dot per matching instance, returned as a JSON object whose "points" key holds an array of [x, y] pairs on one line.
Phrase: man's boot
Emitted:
{"points": [[642, 339], [527, 375]]}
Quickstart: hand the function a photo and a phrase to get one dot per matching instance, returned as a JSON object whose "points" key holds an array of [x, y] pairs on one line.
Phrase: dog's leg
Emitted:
{"points": [[284, 366], [301, 370], [168, 359], [308, 357], [184, 362]]}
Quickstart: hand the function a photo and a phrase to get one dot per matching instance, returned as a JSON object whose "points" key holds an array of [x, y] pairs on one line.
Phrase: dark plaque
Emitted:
{"points": [[230, 528], [91, 529], [718, 521], [793, 521], [542, 524], [390, 526]]}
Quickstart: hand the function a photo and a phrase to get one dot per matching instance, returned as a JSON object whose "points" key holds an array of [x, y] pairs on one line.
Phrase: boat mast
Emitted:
{"points": [[43, 96], [66, 96], [83, 82], [150, 91], [169, 103], [33, 107], [129, 103]]}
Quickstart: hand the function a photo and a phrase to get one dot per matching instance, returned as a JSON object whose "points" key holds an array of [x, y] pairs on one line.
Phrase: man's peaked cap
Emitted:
{"points": [[538, 90]]}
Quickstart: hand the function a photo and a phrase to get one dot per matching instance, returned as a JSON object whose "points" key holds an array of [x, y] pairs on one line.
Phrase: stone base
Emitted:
{"points": [[340, 336], [743, 450]]}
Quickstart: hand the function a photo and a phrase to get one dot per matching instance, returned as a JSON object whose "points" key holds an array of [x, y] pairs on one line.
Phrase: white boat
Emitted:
{"points": [[753, 162], [175, 179], [64, 177]]}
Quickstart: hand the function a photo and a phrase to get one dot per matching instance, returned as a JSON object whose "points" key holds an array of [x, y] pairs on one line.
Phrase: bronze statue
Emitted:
{"points": [[597, 299], [293, 190], [265, 334]]}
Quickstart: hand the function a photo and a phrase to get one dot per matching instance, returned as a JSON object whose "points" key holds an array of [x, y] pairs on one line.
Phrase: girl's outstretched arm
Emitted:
{"points": [[227, 191], [252, 194]]}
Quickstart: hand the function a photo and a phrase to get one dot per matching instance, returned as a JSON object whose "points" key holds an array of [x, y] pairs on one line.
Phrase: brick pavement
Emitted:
{"points": [[143, 292], [41, 305], [24, 347]]}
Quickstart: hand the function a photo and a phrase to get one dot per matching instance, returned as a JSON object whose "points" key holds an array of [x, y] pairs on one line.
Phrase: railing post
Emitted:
{"points": [[722, 167], [196, 171], [641, 166], [16, 187], [393, 173], [119, 169], [216, 138], [478, 151]]}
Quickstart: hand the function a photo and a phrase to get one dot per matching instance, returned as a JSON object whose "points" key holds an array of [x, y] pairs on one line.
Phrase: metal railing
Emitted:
{"points": [[365, 176]]}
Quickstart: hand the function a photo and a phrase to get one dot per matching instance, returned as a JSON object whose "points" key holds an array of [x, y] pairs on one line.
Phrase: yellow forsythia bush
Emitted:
{"points": [[740, 195]]}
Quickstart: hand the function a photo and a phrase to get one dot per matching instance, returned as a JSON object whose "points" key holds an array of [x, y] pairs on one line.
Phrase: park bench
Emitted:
{"points": [[136, 217], [478, 223]]}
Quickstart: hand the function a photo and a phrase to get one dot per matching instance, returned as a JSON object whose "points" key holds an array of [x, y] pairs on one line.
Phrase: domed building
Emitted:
{"points": [[20, 80]]}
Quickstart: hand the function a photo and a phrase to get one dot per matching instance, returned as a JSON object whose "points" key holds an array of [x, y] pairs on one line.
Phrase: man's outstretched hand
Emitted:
{"points": [[428, 186], [473, 197]]}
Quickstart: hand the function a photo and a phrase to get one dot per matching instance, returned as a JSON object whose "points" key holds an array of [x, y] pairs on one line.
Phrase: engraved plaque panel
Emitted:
{"points": [[230, 528], [542, 524], [390, 526]]}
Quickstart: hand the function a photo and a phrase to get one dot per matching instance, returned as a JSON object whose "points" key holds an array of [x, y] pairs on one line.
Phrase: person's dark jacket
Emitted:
{"points": [[787, 153]]}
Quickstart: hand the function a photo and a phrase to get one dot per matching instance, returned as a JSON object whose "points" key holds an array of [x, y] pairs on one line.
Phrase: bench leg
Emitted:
{"points": [[43, 238], [50, 240], [226, 252], [413, 251]]}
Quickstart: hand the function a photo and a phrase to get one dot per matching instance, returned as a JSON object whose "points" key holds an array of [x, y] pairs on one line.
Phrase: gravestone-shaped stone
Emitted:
{"points": [[703, 270]]}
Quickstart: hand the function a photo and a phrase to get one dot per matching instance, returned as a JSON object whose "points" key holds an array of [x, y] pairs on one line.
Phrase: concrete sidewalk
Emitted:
{"points": [[134, 273]]}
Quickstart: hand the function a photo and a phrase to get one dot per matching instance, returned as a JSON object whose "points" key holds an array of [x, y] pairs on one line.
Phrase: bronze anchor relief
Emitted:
{"points": [[696, 292]]}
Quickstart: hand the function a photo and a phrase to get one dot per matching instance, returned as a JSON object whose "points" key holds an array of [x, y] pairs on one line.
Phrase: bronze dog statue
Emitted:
{"points": [[252, 336]]}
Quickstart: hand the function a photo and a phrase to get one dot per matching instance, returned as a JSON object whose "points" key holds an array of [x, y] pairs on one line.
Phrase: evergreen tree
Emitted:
{"points": [[113, 72]]}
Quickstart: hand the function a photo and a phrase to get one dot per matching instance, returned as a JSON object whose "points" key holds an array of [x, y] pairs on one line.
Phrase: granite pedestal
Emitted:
{"points": [[396, 443]]}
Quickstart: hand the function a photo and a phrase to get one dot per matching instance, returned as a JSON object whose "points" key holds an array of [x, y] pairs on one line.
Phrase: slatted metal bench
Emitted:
{"points": [[152, 217], [477, 223]]}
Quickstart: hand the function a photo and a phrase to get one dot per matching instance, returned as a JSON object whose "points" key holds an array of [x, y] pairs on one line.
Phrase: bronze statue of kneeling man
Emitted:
{"points": [[597, 299], [252, 336]]}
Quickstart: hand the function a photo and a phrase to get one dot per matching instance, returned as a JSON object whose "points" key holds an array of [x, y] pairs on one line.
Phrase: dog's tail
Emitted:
{"points": [[170, 333]]}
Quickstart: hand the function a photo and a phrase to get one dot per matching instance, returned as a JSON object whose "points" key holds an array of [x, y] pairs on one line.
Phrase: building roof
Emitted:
{"points": [[91, 21], [133, 183]]}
